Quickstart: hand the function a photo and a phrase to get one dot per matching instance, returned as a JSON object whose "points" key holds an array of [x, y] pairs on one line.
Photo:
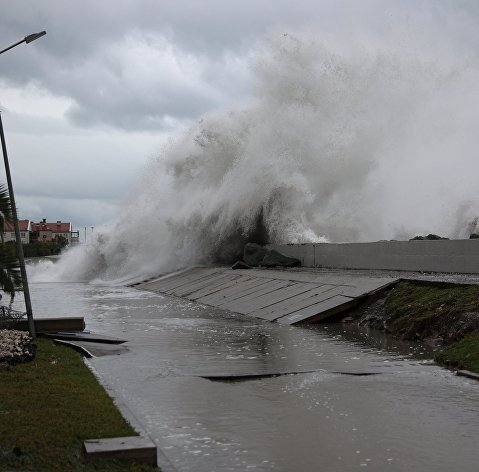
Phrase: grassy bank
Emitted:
{"points": [[462, 355], [446, 313], [48, 407]]}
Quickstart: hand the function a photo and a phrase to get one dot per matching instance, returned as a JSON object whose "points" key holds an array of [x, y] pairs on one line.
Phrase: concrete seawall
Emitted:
{"points": [[425, 256]]}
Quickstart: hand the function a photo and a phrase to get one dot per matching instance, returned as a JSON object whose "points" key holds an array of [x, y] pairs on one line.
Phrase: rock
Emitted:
{"points": [[256, 255], [433, 341], [240, 265], [253, 254], [274, 259], [375, 315], [429, 237]]}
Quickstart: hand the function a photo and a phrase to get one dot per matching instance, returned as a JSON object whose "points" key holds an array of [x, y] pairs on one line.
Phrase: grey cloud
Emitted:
{"points": [[82, 58], [80, 212]]}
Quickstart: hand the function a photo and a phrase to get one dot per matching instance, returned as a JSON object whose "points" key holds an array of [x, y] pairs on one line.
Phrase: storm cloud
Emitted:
{"points": [[87, 105]]}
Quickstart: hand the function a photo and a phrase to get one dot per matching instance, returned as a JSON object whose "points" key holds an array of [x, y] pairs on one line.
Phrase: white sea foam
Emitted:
{"points": [[341, 141]]}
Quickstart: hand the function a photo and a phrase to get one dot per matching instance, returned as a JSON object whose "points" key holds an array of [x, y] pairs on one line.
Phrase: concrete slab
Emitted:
{"points": [[49, 325], [235, 291], [252, 304], [169, 283], [85, 336], [92, 349], [209, 290], [298, 302], [284, 294], [162, 278], [246, 303], [186, 289], [185, 280], [135, 448], [364, 285], [288, 296], [319, 311], [298, 275]]}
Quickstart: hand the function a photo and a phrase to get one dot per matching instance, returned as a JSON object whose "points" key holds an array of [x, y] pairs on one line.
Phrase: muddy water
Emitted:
{"points": [[408, 415]]}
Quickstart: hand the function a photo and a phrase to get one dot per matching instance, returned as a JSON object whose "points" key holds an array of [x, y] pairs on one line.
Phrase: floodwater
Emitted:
{"points": [[408, 415]]}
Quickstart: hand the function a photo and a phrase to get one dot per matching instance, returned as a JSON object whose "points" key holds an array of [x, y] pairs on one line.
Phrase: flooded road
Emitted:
{"points": [[407, 415]]}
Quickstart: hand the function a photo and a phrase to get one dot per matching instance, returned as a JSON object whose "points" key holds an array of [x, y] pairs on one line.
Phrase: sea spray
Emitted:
{"points": [[366, 143]]}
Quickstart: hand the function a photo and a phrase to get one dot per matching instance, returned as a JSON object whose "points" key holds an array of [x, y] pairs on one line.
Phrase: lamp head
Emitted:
{"points": [[32, 37]]}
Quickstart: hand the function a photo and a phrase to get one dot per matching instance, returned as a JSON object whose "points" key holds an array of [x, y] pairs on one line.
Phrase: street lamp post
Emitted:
{"points": [[26, 39], [18, 239]]}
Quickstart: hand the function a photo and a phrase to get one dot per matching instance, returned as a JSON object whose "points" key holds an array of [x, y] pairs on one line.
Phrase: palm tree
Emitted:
{"points": [[6, 214], [10, 275]]}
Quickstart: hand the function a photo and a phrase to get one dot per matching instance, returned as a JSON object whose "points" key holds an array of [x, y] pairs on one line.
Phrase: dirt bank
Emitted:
{"points": [[439, 314]]}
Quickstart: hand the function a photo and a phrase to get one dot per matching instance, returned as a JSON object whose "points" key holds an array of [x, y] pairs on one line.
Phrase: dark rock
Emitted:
{"points": [[240, 265], [429, 237], [433, 341], [474, 236], [256, 255], [375, 315], [274, 259]]}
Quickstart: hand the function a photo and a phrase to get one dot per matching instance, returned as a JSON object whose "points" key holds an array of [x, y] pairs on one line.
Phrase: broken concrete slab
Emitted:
{"points": [[185, 281], [303, 300], [319, 311], [85, 336], [92, 349], [288, 296], [236, 291], [134, 448], [248, 302], [196, 285], [49, 325], [270, 299], [210, 290], [177, 279]]}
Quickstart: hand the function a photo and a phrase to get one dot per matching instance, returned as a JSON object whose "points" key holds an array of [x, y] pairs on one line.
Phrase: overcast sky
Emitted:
{"points": [[85, 106]]}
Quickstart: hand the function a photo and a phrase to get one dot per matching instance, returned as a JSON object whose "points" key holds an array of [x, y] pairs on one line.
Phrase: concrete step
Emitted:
{"points": [[134, 448], [49, 325]]}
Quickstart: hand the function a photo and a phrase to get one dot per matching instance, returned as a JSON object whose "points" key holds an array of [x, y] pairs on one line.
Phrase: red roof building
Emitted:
{"points": [[25, 229], [45, 231]]}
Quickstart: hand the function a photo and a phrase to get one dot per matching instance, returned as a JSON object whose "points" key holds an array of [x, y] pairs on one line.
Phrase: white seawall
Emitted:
{"points": [[425, 256]]}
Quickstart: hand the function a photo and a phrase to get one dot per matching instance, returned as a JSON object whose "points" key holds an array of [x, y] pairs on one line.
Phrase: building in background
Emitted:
{"points": [[46, 231], [25, 227], [43, 231]]}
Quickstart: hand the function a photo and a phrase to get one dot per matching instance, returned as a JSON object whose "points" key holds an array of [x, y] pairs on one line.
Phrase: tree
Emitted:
{"points": [[10, 275], [6, 214]]}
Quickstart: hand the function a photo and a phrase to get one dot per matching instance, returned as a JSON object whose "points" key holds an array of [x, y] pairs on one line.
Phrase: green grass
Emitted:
{"points": [[410, 297], [48, 407], [462, 355], [417, 307]]}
